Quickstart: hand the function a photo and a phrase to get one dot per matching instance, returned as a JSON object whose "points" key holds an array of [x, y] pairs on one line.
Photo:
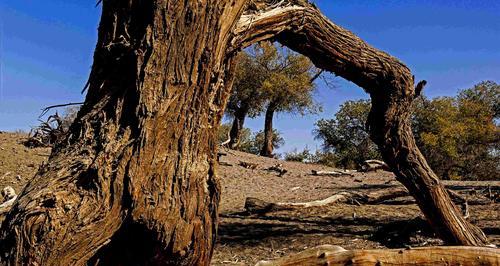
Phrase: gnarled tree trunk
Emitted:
{"points": [[267, 146], [134, 182], [238, 122]]}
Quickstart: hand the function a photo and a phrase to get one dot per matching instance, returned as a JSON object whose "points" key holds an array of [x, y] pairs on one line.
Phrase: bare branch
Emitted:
{"points": [[46, 109]]}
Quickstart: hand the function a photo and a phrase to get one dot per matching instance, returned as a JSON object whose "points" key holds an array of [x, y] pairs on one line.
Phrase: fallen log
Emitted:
{"points": [[278, 168], [472, 184], [248, 165], [255, 205], [331, 173], [335, 255]]}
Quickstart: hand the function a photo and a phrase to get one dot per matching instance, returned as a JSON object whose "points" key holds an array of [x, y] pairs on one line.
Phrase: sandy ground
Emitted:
{"points": [[244, 239], [18, 163]]}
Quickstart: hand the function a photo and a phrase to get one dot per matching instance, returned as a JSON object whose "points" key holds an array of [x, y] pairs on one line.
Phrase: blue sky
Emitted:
{"points": [[46, 53]]}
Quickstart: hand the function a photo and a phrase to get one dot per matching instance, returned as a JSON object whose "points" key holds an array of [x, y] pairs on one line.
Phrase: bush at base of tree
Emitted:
{"points": [[52, 130]]}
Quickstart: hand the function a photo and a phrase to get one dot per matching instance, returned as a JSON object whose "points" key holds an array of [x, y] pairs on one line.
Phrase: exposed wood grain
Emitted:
{"points": [[337, 256]]}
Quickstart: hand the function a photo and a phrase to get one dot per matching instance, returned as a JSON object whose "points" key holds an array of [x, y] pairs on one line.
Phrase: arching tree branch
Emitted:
{"points": [[301, 26]]}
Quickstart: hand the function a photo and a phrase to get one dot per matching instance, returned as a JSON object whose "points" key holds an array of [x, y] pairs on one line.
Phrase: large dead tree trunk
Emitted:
{"points": [[134, 182]]}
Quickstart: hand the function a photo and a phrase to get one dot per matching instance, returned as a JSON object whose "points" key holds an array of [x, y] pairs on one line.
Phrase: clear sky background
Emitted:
{"points": [[46, 53]]}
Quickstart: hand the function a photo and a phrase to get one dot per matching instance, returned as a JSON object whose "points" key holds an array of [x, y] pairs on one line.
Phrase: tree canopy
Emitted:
{"points": [[459, 136], [288, 85]]}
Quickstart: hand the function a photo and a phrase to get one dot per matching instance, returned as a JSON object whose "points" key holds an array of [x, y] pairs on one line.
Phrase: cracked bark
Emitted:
{"points": [[140, 161]]}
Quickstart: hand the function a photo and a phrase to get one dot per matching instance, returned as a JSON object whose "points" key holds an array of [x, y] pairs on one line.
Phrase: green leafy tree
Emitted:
{"points": [[273, 80], [345, 138], [318, 157], [459, 135], [304, 156], [258, 141], [247, 99], [288, 87]]}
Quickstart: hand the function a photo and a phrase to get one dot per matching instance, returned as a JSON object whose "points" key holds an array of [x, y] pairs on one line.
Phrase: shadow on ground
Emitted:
{"points": [[252, 229]]}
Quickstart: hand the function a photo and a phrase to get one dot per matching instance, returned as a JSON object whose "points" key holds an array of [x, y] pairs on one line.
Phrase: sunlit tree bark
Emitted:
{"points": [[134, 183]]}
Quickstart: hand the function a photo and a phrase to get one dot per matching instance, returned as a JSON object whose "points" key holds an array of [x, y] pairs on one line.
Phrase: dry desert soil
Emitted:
{"points": [[245, 238]]}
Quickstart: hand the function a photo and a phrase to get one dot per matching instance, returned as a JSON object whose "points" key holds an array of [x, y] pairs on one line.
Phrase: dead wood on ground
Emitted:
{"points": [[374, 165], [47, 133], [331, 173], [255, 205], [335, 255], [248, 165], [278, 168]]}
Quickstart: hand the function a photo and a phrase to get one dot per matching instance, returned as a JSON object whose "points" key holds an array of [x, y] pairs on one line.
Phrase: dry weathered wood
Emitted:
{"points": [[331, 173], [337, 256], [48, 108], [8, 197], [225, 144], [258, 206], [278, 168], [248, 165], [254, 205], [134, 182], [374, 165]]}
